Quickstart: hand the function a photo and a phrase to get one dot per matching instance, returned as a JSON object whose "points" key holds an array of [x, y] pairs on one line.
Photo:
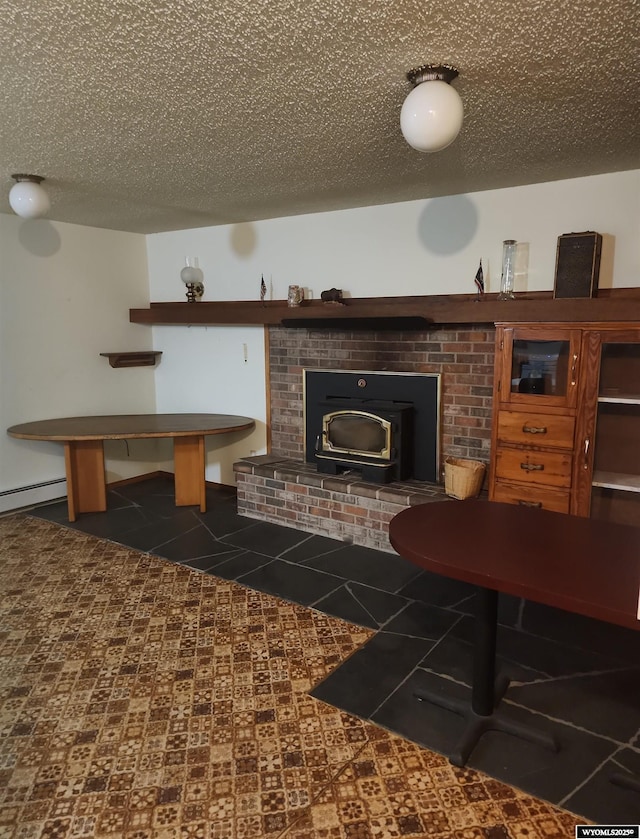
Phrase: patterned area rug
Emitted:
{"points": [[144, 700]]}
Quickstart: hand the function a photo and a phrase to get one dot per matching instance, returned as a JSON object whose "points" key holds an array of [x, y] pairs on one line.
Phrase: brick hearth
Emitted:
{"points": [[281, 488], [342, 507]]}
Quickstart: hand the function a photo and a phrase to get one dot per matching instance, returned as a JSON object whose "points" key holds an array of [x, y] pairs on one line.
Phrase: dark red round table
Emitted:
{"points": [[581, 565]]}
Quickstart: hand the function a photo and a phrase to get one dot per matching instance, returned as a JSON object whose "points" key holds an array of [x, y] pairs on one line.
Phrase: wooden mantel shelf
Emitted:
{"points": [[611, 305]]}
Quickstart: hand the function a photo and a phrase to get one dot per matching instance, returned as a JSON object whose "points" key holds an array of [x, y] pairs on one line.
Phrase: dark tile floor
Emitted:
{"points": [[578, 678]]}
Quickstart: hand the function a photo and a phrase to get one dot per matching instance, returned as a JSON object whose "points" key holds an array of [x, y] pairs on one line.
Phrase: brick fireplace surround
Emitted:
{"points": [[281, 488]]}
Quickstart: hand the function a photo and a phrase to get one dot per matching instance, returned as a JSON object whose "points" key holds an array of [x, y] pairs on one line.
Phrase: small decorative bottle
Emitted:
{"points": [[508, 269]]}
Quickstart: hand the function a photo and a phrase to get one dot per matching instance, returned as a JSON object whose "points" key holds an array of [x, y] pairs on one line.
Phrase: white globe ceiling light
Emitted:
{"points": [[431, 115], [27, 198]]}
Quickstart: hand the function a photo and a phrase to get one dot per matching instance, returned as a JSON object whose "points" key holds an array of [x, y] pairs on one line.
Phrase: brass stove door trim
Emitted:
{"points": [[327, 446]]}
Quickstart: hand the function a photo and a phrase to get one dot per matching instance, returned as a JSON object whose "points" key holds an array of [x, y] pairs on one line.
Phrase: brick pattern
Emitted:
{"points": [[293, 494], [282, 489], [463, 355]]}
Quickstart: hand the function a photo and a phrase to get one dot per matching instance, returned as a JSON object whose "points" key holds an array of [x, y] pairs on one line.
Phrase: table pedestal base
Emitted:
{"points": [[478, 724], [86, 482], [480, 715]]}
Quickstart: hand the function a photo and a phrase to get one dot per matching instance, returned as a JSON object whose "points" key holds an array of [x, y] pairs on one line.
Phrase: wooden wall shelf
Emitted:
{"points": [[145, 358], [610, 305]]}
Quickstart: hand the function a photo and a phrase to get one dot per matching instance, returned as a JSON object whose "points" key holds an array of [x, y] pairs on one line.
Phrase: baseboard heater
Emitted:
{"points": [[28, 496]]}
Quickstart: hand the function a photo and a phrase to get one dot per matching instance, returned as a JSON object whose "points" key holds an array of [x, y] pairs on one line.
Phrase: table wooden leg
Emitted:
{"points": [[189, 463], [86, 486]]}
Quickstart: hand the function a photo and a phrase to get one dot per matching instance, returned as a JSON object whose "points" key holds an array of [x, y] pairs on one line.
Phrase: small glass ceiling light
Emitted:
{"points": [[27, 198], [431, 115]]}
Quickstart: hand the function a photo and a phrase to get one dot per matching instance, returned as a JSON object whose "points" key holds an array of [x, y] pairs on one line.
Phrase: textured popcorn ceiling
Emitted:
{"points": [[151, 115]]}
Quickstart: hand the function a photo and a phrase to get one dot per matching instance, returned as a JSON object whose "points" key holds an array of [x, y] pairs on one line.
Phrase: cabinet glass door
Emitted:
{"points": [[543, 369], [615, 493], [540, 367]]}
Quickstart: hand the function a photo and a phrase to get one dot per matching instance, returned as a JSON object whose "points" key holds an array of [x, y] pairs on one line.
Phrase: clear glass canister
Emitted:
{"points": [[508, 270]]}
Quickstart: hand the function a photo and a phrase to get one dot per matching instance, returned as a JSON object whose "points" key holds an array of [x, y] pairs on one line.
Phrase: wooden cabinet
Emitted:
{"points": [[535, 397], [606, 475], [566, 428], [530, 428], [539, 366]]}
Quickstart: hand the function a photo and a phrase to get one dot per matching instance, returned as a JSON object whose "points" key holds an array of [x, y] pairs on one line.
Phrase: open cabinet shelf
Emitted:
{"points": [[616, 480]]}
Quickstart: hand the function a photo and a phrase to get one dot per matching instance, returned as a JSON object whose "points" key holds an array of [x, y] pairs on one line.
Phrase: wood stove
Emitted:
{"points": [[383, 425]]}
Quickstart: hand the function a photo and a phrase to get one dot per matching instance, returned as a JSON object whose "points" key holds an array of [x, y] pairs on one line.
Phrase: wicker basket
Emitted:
{"points": [[463, 478]]}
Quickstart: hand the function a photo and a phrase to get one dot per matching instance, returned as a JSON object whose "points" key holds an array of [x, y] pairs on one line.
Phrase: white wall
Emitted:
{"points": [[65, 292], [204, 370], [417, 247]]}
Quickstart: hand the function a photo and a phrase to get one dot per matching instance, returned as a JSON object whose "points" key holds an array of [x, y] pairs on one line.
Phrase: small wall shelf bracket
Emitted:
{"points": [[146, 358]]}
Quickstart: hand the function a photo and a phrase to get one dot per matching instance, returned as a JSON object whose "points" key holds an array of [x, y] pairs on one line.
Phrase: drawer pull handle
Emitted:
{"points": [[532, 429], [529, 503], [532, 467]]}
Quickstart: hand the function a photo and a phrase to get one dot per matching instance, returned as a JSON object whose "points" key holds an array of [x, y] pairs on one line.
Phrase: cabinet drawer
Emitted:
{"points": [[533, 467], [532, 496], [535, 429]]}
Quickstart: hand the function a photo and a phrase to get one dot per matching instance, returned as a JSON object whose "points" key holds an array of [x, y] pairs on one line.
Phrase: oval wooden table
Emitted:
{"points": [[84, 437], [582, 565]]}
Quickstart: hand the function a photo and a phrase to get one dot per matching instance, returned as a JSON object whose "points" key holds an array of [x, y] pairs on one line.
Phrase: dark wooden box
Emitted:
{"points": [[577, 265]]}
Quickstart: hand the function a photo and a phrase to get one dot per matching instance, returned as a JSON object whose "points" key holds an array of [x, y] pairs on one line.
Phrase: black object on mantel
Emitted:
{"points": [[577, 265], [376, 323]]}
